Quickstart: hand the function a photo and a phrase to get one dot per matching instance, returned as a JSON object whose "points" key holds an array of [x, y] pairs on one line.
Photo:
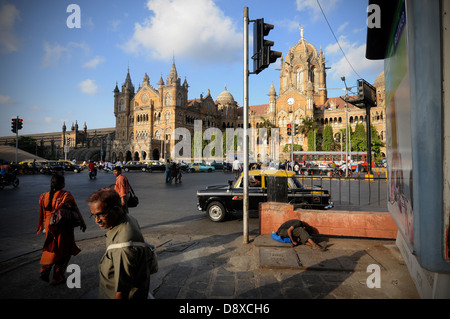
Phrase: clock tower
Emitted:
{"points": [[302, 87]]}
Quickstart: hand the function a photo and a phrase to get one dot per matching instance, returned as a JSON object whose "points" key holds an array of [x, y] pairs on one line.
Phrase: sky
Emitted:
{"points": [[60, 63]]}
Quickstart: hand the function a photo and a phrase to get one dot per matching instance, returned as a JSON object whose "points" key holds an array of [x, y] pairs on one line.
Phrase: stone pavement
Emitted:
{"points": [[201, 265]]}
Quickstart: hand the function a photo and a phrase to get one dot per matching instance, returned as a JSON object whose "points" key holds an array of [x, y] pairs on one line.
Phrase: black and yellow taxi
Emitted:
{"points": [[220, 200]]}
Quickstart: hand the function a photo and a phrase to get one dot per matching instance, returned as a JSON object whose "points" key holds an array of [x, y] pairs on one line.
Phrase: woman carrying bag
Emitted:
{"points": [[59, 243]]}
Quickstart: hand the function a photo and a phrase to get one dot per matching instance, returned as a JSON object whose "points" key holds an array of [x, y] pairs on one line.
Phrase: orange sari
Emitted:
{"points": [[62, 239]]}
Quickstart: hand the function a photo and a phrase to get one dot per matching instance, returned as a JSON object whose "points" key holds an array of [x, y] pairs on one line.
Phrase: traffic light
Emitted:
{"points": [[296, 130], [289, 129], [19, 124], [262, 53], [14, 125]]}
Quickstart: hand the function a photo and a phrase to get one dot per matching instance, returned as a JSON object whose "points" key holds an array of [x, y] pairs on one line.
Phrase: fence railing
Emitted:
{"points": [[360, 192]]}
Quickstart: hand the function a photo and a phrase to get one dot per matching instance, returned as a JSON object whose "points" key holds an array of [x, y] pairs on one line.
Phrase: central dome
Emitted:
{"points": [[225, 98]]}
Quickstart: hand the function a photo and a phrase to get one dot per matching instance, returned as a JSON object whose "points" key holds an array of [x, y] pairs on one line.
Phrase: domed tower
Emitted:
{"points": [[304, 64], [227, 107]]}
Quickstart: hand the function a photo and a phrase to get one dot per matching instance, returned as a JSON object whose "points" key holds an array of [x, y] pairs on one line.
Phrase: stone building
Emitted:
{"points": [[146, 119], [303, 94]]}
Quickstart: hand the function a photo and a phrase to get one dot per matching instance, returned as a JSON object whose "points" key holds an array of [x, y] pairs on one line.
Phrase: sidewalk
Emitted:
{"points": [[219, 266]]}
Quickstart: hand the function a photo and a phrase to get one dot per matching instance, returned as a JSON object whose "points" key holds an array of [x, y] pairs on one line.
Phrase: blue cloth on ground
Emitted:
{"points": [[285, 240]]}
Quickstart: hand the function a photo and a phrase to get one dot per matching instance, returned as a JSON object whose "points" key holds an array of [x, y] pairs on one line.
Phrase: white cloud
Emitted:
{"points": [[48, 120], [313, 8], [355, 54], [54, 53], [92, 64], [8, 40], [194, 29], [88, 87], [4, 99], [342, 27]]}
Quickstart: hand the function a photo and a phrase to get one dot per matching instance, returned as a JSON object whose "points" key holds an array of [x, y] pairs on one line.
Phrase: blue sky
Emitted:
{"points": [[51, 73]]}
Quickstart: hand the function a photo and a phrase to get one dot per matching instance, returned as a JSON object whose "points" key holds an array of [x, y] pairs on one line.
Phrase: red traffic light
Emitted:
{"points": [[14, 125]]}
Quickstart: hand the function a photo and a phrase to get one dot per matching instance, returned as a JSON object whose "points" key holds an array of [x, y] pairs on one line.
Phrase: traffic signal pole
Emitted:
{"points": [[245, 177], [17, 139], [262, 57]]}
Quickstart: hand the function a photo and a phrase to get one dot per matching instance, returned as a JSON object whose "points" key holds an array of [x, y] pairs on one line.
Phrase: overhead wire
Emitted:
{"points": [[337, 41]]}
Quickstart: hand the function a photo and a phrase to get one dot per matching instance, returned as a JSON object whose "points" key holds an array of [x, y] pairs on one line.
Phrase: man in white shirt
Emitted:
{"points": [[236, 168]]}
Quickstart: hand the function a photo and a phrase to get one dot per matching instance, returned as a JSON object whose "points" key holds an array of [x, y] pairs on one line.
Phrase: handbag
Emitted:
{"points": [[133, 200], [63, 215]]}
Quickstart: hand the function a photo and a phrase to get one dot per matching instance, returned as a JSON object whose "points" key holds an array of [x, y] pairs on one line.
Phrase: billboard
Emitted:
{"points": [[398, 122]]}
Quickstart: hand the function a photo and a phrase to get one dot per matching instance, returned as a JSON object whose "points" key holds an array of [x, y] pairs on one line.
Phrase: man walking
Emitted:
{"points": [[126, 265], [122, 187], [236, 168]]}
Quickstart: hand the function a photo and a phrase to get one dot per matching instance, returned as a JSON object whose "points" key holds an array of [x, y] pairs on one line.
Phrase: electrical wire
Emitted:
{"points": [[337, 40]]}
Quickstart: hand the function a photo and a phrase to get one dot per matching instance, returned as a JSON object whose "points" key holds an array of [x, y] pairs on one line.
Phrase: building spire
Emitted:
{"points": [[173, 76]]}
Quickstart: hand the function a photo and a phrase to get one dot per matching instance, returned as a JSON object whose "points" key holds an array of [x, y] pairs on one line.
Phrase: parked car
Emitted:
{"points": [[218, 201], [200, 167], [134, 166], [153, 166], [52, 167], [71, 167]]}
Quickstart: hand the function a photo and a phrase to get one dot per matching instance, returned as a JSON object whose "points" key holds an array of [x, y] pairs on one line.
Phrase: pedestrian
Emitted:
{"points": [[168, 172], [173, 172], [178, 174], [296, 231], [236, 168], [122, 187], [125, 267], [59, 243]]}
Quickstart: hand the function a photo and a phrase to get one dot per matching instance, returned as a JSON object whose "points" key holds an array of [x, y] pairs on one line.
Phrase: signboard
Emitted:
{"points": [[398, 143], [367, 92]]}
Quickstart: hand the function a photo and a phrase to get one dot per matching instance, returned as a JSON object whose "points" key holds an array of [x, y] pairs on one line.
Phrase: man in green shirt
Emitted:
{"points": [[125, 267]]}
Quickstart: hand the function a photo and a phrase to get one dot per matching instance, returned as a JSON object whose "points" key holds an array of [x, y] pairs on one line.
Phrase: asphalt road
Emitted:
{"points": [[161, 204]]}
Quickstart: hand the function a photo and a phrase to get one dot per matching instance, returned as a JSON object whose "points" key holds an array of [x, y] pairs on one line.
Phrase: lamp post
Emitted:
{"points": [[347, 140]]}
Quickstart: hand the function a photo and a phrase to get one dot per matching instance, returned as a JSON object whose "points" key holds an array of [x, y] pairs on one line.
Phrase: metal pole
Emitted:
{"points": [[17, 138], [369, 140], [245, 177]]}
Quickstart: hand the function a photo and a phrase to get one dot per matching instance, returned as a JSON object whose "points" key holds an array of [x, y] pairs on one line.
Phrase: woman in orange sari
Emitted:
{"points": [[59, 243]]}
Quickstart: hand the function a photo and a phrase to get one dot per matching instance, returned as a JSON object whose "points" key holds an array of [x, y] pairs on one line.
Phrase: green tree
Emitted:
{"points": [[359, 139], [327, 138], [308, 124], [376, 144]]}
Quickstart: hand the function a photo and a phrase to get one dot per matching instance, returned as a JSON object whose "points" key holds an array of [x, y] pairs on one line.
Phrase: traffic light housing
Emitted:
{"points": [[14, 125], [296, 130], [289, 129], [19, 124], [262, 53]]}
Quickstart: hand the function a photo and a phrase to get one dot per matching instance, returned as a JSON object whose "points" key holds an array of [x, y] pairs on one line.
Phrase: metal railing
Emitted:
{"points": [[362, 192]]}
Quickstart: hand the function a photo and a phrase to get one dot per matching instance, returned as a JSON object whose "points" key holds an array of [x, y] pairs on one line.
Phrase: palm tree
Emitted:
{"points": [[267, 124], [308, 124]]}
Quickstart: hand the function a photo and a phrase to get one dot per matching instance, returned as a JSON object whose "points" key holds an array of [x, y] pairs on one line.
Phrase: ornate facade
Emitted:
{"points": [[303, 93], [146, 119]]}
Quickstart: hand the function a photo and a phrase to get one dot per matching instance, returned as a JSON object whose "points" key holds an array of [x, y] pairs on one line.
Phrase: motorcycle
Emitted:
{"points": [[93, 173], [9, 180]]}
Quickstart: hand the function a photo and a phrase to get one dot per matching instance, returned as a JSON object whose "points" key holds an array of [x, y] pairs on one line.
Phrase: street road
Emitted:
{"points": [[161, 204]]}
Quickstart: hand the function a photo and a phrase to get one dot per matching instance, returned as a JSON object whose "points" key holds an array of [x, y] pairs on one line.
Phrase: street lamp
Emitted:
{"points": [[347, 144]]}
